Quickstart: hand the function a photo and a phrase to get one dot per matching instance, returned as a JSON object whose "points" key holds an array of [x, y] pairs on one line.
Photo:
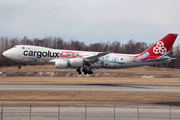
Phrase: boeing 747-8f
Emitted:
{"points": [[85, 61]]}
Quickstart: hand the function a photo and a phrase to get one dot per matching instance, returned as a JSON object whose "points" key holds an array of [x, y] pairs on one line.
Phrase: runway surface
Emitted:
{"points": [[92, 87], [91, 113]]}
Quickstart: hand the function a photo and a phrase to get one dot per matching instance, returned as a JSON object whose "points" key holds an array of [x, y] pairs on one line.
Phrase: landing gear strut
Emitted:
{"points": [[87, 72], [19, 66], [79, 71], [84, 70]]}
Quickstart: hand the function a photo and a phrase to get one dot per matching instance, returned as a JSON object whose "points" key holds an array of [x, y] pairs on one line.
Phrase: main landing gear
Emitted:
{"points": [[19, 66], [79, 71], [84, 70], [87, 72]]}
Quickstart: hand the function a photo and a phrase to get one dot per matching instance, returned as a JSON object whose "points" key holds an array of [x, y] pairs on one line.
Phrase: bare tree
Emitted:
{"points": [[38, 42], [26, 41], [60, 43], [48, 42], [14, 41], [177, 56], [116, 46]]}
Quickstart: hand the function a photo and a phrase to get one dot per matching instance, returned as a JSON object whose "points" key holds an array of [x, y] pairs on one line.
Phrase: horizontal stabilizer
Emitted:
{"points": [[159, 59]]}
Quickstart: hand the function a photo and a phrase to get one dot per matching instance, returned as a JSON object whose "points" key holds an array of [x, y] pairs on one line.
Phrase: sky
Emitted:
{"points": [[90, 21]]}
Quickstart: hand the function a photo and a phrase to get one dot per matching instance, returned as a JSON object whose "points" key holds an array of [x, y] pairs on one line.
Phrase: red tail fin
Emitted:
{"points": [[160, 48]]}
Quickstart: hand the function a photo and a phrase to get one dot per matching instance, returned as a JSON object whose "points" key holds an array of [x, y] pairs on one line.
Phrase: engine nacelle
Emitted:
{"points": [[76, 62], [61, 64]]}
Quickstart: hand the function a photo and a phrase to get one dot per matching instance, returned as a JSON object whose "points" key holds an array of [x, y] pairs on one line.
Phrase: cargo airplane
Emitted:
{"points": [[86, 62]]}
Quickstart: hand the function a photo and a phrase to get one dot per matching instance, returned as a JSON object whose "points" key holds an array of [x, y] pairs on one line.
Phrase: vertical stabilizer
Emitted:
{"points": [[160, 48]]}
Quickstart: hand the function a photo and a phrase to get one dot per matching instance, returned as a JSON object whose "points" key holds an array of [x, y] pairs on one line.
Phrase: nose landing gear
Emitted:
{"points": [[19, 66]]}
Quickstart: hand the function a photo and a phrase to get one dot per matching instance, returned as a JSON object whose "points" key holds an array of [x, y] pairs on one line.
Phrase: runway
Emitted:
{"points": [[91, 113], [91, 87], [106, 113]]}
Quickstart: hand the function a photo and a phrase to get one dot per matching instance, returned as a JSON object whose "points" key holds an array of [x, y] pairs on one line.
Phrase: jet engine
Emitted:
{"points": [[61, 64], [76, 62]]}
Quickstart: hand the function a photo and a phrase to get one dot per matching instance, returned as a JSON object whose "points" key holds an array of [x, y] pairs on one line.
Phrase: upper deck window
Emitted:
{"points": [[69, 54]]}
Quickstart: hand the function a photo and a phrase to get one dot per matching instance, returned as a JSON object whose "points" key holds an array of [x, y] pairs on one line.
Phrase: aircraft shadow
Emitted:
{"points": [[115, 85]]}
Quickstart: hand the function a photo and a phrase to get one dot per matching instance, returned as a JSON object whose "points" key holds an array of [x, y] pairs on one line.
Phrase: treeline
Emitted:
{"points": [[131, 47]]}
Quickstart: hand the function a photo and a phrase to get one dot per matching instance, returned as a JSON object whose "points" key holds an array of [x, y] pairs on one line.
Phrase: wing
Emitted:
{"points": [[95, 58]]}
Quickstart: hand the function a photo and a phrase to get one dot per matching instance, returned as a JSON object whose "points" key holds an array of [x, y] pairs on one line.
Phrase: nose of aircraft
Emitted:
{"points": [[7, 53]]}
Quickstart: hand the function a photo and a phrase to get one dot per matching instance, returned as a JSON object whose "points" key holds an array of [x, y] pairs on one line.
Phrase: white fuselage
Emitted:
{"points": [[43, 55]]}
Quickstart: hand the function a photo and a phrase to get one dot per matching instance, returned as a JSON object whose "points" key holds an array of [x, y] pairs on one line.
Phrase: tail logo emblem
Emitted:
{"points": [[159, 48]]}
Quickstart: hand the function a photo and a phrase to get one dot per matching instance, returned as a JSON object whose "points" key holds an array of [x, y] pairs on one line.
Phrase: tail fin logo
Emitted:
{"points": [[159, 48]]}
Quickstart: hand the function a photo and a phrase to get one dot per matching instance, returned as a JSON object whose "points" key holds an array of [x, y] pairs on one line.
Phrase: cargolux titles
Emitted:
{"points": [[40, 54]]}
